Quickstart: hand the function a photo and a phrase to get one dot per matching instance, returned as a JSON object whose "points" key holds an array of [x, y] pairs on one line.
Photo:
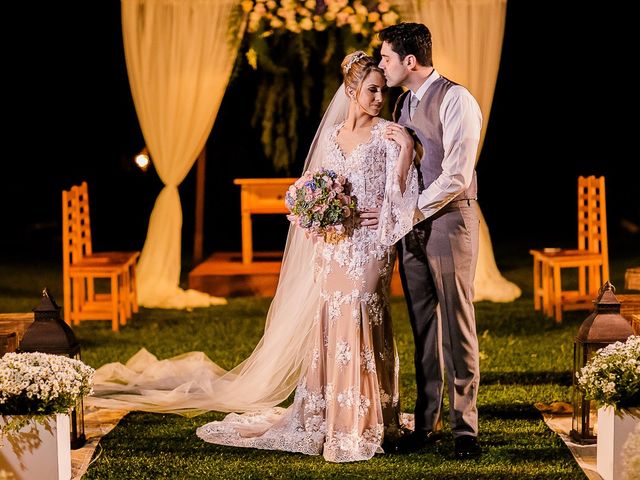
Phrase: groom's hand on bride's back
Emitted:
{"points": [[368, 217]]}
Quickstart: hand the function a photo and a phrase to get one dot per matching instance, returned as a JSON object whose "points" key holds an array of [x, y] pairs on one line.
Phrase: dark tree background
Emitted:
{"points": [[564, 82]]}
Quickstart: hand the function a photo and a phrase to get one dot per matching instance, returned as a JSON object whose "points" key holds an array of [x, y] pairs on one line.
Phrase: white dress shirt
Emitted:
{"points": [[461, 125]]}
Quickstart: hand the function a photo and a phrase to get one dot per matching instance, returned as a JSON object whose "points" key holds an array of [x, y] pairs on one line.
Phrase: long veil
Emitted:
{"points": [[191, 383]]}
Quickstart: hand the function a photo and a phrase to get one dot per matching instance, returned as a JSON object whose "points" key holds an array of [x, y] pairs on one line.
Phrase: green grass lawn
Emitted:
{"points": [[525, 358]]}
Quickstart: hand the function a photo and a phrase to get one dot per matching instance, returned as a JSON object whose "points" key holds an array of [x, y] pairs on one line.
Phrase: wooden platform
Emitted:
{"points": [[224, 275]]}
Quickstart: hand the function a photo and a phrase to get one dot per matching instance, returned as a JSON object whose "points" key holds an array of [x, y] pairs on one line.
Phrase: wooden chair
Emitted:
{"points": [[81, 267], [591, 258]]}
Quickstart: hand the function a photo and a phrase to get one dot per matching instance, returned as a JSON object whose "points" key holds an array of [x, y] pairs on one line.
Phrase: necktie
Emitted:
{"points": [[412, 105]]}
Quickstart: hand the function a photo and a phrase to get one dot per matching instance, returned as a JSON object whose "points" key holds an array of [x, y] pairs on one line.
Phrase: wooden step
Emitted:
{"points": [[224, 275]]}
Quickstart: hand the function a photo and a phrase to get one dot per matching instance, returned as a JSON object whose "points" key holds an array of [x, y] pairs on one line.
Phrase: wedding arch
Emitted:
{"points": [[179, 56]]}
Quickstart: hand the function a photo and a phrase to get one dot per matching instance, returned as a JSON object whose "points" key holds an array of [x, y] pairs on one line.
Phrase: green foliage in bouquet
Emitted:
{"points": [[297, 47], [320, 203]]}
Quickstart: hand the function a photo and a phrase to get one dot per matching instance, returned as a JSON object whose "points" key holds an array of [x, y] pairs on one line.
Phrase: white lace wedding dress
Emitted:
{"points": [[347, 398]]}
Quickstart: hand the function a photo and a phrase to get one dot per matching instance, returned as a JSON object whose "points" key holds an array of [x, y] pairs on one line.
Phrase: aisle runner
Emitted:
{"points": [[100, 421], [97, 423], [585, 455]]}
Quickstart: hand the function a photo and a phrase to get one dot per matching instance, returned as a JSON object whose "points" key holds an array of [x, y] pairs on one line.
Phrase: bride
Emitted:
{"points": [[328, 331]]}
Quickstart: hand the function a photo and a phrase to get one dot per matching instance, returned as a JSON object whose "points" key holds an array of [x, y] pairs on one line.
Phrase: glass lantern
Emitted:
{"points": [[604, 326], [50, 334]]}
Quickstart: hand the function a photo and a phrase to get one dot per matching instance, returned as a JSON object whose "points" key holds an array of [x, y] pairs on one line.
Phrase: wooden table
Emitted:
{"points": [[259, 196]]}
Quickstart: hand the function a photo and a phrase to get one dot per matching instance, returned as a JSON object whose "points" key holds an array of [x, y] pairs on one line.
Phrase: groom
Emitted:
{"points": [[438, 258]]}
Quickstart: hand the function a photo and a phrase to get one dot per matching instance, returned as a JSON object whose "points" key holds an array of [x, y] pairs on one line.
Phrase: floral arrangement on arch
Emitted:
{"points": [[612, 376], [34, 385], [296, 47], [361, 17]]}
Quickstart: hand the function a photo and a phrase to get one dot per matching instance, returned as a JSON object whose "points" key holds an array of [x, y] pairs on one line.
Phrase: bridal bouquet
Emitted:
{"points": [[320, 203]]}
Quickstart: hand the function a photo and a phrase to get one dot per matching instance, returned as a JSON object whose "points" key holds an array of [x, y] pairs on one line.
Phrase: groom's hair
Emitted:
{"points": [[409, 39]]}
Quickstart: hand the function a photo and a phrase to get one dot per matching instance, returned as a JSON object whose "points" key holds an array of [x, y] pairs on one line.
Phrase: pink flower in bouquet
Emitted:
{"points": [[319, 202]]}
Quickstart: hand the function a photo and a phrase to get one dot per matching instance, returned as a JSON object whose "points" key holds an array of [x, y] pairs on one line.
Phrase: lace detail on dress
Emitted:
{"points": [[347, 399], [343, 354], [368, 361], [366, 168], [398, 211], [283, 430], [351, 446]]}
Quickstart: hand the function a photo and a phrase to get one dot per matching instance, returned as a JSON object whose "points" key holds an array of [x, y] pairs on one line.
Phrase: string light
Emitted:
{"points": [[142, 159]]}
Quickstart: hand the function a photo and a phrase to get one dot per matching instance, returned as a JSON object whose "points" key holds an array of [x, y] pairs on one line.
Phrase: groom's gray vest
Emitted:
{"points": [[428, 128]]}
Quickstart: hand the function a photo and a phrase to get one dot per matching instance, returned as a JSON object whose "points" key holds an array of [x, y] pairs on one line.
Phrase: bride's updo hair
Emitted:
{"points": [[355, 68]]}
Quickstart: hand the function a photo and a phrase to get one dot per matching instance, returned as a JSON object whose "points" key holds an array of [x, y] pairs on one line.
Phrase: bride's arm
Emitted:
{"points": [[399, 207]]}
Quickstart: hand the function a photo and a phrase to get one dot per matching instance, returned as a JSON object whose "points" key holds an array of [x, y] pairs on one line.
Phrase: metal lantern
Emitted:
{"points": [[50, 334], [604, 326]]}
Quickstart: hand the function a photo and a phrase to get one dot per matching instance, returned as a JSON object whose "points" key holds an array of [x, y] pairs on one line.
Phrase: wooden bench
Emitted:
{"points": [[630, 309], [8, 342], [635, 324], [12, 328], [632, 278]]}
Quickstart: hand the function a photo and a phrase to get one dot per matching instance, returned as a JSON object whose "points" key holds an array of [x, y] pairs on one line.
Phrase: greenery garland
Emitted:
{"points": [[297, 47]]}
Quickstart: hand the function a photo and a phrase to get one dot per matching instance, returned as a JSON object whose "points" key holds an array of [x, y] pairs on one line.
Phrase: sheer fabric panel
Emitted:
{"points": [[179, 56]]}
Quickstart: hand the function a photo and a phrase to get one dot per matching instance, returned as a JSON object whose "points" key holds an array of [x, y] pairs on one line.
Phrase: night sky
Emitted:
{"points": [[564, 81]]}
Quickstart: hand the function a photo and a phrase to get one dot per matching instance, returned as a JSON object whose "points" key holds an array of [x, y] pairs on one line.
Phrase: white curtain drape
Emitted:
{"points": [[179, 55], [467, 43]]}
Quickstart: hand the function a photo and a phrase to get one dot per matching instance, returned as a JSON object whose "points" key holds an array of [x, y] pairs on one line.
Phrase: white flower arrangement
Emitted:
{"points": [[612, 376], [33, 385]]}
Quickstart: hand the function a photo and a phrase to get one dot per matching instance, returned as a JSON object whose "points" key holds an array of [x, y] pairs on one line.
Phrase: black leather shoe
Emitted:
{"points": [[417, 441], [467, 446], [389, 446]]}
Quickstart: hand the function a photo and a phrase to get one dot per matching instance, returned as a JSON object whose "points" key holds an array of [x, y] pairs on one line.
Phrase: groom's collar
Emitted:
{"points": [[425, 85]]}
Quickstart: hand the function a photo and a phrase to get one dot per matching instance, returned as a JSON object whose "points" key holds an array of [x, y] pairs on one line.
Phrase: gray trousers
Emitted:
{"points": [[438, 263]]}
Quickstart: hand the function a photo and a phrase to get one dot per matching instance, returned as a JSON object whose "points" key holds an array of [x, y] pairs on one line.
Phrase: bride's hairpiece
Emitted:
{"points": [[356, 57]]}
